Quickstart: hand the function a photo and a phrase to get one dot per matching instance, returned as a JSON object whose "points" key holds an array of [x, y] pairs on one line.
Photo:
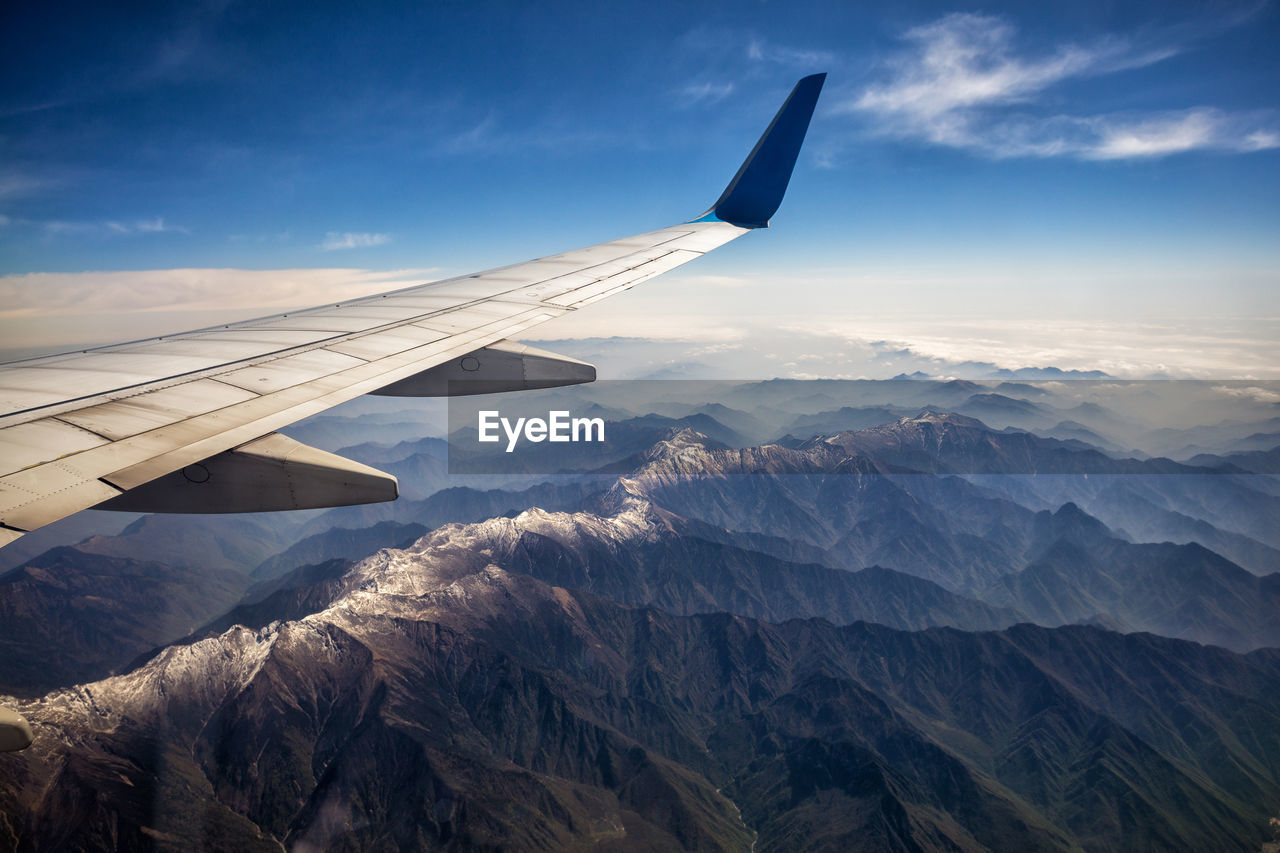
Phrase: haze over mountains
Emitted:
{"points": [[736, 627]]}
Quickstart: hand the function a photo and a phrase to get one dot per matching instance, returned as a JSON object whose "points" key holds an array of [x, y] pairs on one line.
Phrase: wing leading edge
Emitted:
{"points": [[191, 416]]}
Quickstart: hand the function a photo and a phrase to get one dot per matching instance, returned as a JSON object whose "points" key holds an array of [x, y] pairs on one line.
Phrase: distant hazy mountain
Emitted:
{"points": [[229, 542], [1071, 430], [1253, 461], [1244, 508], [999, 411], [1130, 504], [850, 506], [339, 542], [335, 431], [946, 443], [420, 465], [69, 530], [460, 503], [70, 616], [1228, 436], [80, 612], [1255, 441], [1183, 591], [1057, 568], [746, 425], [846, 418]]}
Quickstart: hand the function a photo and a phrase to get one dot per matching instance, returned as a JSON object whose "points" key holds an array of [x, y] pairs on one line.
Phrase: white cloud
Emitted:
{"points": [[713, 349], [490, 136], [64, 310], [114, 227], [17, 185], [705, 93], [961, 84], [275, 237], [352, 240], [1252, 392], [717, 280], [1184, 349], [158, 226], [1169, 133], [60, 227], [481, 136], [882, 347], [55, 294], [666, 326], [760, 50], [1261, 139]]}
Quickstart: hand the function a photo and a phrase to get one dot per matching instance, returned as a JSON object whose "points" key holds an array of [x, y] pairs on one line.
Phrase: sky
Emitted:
{"points": [[1089, 186]]}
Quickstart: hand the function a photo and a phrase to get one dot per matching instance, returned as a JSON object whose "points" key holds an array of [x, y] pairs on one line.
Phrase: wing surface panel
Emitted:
{"points": [[75, 480]]}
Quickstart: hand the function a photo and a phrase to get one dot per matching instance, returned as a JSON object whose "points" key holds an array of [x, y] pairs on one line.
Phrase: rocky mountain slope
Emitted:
{"points": [[70, 616], [442, 702]]}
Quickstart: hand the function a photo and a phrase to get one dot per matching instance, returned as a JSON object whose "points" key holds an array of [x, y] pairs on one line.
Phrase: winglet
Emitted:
{"points": [[756, 191]]}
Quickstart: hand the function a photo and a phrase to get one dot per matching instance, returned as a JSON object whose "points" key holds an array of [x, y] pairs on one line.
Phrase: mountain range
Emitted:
{"points": [[922, 633], [439, 702]]}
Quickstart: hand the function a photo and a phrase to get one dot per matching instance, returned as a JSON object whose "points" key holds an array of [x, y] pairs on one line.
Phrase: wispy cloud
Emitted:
{"points": [[492, 135], [1252, 392], [961, 83], [760, 50], [17, 185], [958, 347], [479, 137], [155, 226], [705, 93], [112, 227], [881, 347], [717, 280], [353, 240], [274, 237], [1186, 130]]}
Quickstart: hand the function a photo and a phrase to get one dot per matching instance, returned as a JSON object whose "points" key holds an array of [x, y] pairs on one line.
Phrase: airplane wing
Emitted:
{"points": [[185, 423]]}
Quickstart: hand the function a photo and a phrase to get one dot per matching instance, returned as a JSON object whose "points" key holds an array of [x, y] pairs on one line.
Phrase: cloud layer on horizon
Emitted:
{"points": [[867, 348], [131, 291], [353, 240]]}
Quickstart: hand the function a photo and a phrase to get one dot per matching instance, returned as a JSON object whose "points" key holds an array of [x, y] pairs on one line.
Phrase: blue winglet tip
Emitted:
{"points": [[756, 191]]}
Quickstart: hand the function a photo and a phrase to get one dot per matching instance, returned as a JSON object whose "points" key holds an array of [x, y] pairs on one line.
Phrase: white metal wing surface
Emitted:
{"points": [[149, 424]]}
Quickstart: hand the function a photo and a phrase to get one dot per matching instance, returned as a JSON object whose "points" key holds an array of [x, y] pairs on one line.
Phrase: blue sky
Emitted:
{"points": [[973, 171]]}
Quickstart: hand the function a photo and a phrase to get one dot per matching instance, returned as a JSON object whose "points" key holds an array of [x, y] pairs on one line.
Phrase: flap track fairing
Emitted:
{"points": [[270, 473], [504, 366]]}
